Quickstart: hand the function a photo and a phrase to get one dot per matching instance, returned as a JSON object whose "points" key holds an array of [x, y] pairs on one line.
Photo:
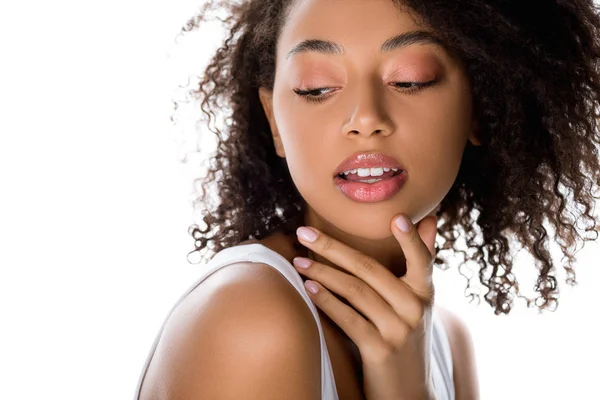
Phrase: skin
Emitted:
{"points": [[392, 337], [361, 110], [426, 132]]}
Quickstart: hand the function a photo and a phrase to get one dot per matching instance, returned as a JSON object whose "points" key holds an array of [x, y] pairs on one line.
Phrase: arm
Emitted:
{"points": [[246, 335], [466, 384]]}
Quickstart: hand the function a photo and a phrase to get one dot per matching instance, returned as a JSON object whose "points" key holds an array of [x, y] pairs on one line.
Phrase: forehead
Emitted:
{"points": [[355, 24]]}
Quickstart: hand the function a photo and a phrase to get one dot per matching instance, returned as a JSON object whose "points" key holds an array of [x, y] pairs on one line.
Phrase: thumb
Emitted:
{"points": [[427, 229]]}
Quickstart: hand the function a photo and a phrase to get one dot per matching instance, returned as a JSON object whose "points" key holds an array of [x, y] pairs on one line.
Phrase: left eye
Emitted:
{"points": [[411, 87]]}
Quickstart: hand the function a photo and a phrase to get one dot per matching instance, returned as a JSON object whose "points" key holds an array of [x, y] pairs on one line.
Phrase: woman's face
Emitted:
{"points": [[364, 104]]}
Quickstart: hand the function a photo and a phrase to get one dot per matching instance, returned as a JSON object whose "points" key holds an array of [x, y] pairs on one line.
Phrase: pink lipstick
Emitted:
{"points": [[370, 177]]}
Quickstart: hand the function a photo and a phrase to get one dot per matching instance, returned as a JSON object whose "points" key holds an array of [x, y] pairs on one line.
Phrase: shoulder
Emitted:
{"points": [[466, 384], [244, 332]]}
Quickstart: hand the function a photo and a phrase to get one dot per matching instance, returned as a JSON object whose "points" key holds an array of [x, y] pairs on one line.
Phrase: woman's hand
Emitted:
{"points": [[394, 341]]}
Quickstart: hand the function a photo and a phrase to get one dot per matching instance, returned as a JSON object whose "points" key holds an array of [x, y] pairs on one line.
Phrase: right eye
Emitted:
{"points": [[312, 95]]}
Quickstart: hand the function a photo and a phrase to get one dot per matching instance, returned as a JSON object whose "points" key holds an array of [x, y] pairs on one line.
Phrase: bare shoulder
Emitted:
{"points": [[245, 332], [466, 383]]}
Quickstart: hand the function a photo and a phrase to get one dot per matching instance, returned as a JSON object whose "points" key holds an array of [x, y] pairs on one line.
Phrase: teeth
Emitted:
{"points": [[376, 171], [363, 172]]}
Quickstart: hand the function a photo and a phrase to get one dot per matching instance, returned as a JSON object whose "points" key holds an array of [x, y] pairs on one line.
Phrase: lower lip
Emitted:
{"points": [[371, 192]]}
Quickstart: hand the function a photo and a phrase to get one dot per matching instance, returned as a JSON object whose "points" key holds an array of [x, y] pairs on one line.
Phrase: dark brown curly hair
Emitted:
{"points": [[534, 73]]}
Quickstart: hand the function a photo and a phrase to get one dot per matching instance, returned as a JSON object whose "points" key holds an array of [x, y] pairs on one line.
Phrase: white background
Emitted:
{"points": [[94, 211]]}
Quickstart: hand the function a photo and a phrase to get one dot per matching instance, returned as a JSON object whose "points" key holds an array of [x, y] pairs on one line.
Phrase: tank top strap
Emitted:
{"points": [[441, 360]]}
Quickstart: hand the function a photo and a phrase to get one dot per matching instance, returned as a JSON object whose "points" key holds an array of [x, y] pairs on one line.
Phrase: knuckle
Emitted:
{"points": [[427, 295], [317, 269], [401, 332], [417, 315], [424, 293], [355, 288], [365, 264], [381, 352], [327, 243], [351, 319], [414, 236]]}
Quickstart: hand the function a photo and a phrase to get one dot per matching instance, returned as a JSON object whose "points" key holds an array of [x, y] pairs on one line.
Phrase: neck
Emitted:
{"points": [[387, 251]]}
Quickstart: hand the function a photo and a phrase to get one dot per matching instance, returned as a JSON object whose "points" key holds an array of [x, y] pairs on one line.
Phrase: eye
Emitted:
{"points": [[412, 87], [312, 95], [316, 95]]}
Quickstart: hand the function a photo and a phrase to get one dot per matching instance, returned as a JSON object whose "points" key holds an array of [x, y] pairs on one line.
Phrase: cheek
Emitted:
{"points": [[443, 143], [441, 131], [302, 138], [452, 125]]}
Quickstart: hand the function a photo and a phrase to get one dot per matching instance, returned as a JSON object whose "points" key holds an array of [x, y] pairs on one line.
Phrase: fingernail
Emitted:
{"points": [[307, 234], [302, 262], [403, 223], [311, 286]]}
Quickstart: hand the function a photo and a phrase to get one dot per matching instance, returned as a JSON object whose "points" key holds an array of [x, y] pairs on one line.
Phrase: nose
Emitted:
{"points": [[369, 115]]}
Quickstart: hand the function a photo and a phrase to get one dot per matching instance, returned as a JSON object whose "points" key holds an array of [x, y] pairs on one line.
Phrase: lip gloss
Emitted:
{"points": [[371, 192]]}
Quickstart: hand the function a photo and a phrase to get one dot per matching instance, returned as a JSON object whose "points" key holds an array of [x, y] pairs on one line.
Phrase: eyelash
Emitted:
{"points": [[414, 88]]}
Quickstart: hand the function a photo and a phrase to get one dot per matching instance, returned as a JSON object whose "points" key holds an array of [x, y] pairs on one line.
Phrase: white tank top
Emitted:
{"points": [[441, 363]]}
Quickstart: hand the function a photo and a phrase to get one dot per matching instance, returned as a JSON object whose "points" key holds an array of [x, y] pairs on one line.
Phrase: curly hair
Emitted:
{"points": [[534, 73]]}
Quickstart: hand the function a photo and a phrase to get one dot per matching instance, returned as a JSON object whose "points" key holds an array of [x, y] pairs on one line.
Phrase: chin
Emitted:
{"points": [[368, 225], [370, 221]]}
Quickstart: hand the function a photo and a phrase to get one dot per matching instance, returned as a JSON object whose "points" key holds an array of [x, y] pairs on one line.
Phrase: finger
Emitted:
{"points": [[366, 268], [418, 245], [428, 235], [358, 293], [362, 332]]}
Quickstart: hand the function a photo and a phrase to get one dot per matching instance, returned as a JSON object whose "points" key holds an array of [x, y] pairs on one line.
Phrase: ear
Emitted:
{"points": [[266, 99], [475, 137]]}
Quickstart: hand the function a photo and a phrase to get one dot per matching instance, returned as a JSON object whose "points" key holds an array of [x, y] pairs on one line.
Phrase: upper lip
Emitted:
{"points": [[367, 160]]}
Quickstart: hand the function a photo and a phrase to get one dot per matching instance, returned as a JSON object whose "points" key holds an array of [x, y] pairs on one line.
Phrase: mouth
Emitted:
{"points": [[369, 175], [368, 165], [371, 189]]}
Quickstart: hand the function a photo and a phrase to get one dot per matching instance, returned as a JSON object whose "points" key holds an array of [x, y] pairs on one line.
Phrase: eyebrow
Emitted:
{"points": [[393, 43]]}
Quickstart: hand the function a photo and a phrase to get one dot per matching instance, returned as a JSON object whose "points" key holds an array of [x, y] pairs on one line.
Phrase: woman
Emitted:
{"points": [[359, 130]]}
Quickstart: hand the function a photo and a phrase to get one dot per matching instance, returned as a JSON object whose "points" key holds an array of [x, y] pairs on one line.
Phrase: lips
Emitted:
{"points": [[371, 192], [367, 160]]}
